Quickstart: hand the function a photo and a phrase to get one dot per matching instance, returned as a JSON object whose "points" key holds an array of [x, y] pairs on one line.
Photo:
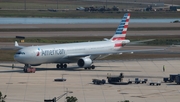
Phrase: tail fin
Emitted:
{"points": [[17, 45], [120, 33]]}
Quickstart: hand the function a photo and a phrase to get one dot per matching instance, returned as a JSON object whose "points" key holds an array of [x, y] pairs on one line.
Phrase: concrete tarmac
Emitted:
{"points": [[35, 87]]}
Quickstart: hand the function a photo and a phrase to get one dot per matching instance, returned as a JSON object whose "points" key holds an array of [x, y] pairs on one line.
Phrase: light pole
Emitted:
{"points": [[66, 93]]}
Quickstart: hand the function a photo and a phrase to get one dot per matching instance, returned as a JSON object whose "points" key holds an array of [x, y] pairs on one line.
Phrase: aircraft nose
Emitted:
{"points": [[19, 56], [16, 58]]}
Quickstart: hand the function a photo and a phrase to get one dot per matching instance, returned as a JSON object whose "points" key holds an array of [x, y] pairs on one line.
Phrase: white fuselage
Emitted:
{"points": [[63, 53]]}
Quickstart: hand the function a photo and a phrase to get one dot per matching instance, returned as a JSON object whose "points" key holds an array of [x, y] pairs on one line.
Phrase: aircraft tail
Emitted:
{"points": [[120, 33], [17, 45]]}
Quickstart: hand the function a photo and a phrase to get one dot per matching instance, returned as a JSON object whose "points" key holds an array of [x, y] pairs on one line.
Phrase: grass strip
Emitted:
{"points": [[82, 14], [7, 55]]}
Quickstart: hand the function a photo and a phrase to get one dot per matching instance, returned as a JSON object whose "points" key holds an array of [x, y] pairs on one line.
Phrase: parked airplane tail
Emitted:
{"points": [[120, 33], [17, 45]]}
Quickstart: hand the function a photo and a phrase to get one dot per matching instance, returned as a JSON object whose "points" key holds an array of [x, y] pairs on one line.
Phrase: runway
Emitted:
{"points": [[35, 87], [11, 34]]}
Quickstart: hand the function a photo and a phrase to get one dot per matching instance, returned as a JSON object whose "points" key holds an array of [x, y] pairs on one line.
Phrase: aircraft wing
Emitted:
{"points": [[105, 54], [140, 42]]}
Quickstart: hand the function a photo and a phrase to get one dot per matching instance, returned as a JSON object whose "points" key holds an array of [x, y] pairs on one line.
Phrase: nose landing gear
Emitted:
{"points": [[29, 69]]}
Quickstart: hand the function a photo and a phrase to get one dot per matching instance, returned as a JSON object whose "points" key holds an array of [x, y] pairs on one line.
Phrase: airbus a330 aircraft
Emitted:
{"points": [[81, 53]]}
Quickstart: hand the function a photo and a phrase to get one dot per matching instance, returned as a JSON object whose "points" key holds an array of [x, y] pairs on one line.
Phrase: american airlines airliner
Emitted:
{"points": [[81, 53]]}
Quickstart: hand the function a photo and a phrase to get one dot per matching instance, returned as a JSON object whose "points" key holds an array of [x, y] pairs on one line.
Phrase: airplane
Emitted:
{"points": [[83, 53]]}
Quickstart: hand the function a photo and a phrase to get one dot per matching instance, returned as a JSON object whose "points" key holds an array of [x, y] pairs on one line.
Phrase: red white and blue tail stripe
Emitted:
{"points": [[120, 33]]}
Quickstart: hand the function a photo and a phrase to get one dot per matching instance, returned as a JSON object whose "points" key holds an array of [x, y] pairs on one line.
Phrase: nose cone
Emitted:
{"points": [[17, 58]]}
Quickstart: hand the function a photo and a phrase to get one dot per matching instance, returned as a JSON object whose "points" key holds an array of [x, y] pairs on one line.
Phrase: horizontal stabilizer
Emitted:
{"points": [[141, 41]]}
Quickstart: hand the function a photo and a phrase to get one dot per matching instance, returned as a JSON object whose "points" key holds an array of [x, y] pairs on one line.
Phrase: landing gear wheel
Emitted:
{"points": [[61, 65], [25, 70], [65, 66], [93, 66], [57, 66]]}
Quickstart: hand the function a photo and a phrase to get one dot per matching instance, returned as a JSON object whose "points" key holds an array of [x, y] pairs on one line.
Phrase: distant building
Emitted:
{"points": [[174, 8]]}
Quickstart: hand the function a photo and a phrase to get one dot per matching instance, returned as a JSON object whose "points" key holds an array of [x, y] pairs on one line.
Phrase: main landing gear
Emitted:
{"points": [[61, 66], [91, 67], [64, 66]]}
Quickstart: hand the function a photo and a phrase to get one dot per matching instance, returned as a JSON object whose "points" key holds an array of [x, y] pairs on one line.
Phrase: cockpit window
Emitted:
{"points": [[23, 53]]}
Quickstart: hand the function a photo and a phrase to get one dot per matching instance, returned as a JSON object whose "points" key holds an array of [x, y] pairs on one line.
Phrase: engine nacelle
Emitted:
{"points": [[84, 62]]}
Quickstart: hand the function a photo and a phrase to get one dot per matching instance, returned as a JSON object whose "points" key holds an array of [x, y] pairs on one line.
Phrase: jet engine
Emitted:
{"points": [[84, 62]]}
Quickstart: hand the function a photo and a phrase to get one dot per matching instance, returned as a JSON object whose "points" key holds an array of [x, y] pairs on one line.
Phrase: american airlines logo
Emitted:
{"points": [[50, 52], [38, 53]]}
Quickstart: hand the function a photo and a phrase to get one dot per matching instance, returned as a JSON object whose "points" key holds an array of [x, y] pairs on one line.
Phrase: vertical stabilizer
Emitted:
{"points": [[17, 45], [120, 33]]}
